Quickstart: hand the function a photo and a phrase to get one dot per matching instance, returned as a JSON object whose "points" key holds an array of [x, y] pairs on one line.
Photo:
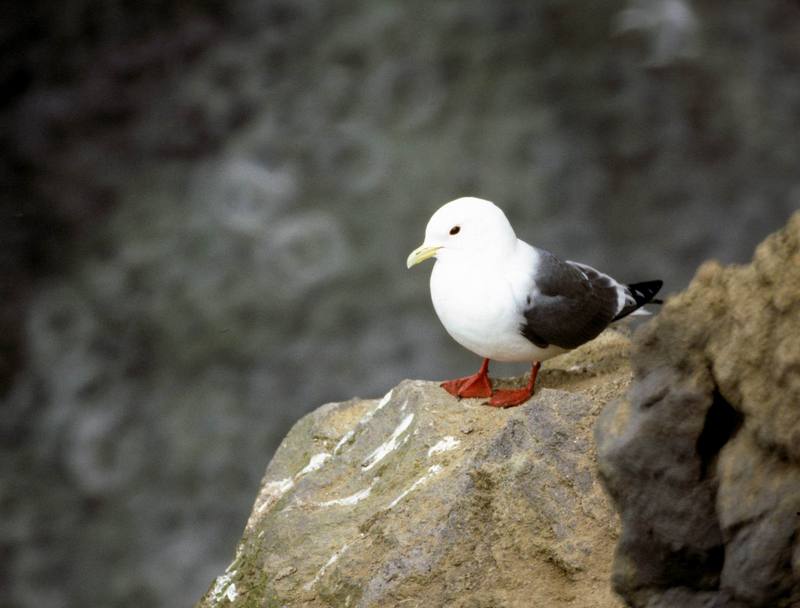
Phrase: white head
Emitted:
{"points": [[465, 226]]}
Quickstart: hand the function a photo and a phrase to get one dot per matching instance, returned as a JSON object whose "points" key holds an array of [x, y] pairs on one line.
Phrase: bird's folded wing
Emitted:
{"points": [[570, 303]]}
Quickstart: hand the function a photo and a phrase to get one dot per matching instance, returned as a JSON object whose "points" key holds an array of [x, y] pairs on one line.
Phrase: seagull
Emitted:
{"points": [[506, 300]]}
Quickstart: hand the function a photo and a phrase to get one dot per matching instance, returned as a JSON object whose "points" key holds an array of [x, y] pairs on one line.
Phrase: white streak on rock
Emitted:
{"points": [[272, 491], [327, 565], [224, 588], [388, 446], [445, 445], [317, 460], [386, 399], [349, 500], [381, 404], [347, 436], [231, 593], [433, 470]]}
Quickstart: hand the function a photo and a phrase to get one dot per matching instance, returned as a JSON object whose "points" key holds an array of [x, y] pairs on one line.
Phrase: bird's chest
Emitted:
{"points": [[475, 304]]}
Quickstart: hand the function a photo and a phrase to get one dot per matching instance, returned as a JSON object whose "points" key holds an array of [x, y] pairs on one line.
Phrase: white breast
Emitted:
{"points": [[480, 302]]}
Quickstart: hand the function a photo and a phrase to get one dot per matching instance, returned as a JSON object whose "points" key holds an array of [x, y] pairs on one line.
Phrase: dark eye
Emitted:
{"points": [[455, 229]]}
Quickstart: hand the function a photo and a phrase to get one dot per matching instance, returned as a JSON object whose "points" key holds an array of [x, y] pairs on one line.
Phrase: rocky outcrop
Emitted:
{"points": [[703, 457], [420, 499]]}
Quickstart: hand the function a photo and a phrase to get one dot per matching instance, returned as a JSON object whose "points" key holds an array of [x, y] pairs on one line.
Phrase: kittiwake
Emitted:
{"points": [[506, 300]]}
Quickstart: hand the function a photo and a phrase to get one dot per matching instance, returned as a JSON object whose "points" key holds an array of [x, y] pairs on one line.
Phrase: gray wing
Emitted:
{"points": [[573, 303]]}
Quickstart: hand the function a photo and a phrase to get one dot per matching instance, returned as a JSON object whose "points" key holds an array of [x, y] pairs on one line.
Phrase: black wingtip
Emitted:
{"points": [[642, 293]]}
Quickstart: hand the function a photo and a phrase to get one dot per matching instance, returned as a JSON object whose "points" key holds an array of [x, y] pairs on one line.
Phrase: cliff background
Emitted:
{"points": [[206, 206]]}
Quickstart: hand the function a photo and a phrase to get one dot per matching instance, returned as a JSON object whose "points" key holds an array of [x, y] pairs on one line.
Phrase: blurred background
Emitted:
{"points": [[206, 208]]}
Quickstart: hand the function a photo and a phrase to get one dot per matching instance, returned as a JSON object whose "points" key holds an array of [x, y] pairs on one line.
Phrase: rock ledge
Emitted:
{"points": [[419, 499]]}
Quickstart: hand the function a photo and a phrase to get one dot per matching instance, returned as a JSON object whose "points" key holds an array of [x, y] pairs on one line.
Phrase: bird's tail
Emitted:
{"points": [[639, 294]]}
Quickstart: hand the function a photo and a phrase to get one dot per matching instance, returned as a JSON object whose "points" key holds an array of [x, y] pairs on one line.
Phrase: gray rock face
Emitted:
{"points": [[703, 458], [424, 499]]}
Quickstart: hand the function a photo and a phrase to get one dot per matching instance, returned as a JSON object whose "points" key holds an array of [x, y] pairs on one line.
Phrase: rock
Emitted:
{"points": [[421, 497], [703, 457]]}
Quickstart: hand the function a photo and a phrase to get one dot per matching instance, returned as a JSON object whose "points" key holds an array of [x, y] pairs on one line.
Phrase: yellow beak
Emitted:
{"points": [[420, 254]]}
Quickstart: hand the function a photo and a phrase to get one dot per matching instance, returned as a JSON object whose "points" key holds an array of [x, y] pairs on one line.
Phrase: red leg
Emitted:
{"points": [[476, 385], [513, 397]]}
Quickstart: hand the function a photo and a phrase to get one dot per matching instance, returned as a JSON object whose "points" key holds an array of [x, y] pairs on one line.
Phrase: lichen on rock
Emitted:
{"points": [[420, 497]]}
